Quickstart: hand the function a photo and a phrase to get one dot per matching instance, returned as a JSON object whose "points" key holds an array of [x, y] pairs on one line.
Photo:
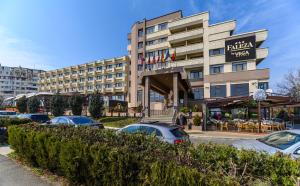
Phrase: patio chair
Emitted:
{"points": [[224, 125]]}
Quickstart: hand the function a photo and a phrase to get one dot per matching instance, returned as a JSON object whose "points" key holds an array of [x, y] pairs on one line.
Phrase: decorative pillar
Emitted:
{"points": [[204, 109], [147, 96], [175, 91]]}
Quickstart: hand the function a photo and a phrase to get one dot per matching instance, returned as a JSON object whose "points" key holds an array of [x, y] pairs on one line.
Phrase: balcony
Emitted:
{"points": [[109, 70], [188, 49], [119, 89], [157, 34], [187, 21], [188, 62], [123, 68], [259, 74], [262, 53], [109, 90], [158, 46], [110, 80], [185, 35], [120, 78]]}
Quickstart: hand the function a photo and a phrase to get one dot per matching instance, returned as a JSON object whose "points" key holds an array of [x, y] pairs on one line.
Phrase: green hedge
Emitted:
{"points": [[100, 157], [117, 121]]}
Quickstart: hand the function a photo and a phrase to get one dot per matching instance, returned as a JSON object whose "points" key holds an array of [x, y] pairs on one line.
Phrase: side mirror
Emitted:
{"points": [[297, 152]]}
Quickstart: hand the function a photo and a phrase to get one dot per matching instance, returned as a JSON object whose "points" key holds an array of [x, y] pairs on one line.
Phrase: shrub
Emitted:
{"points": [[22, 104], [95, 105], [197, 120], [89, 156], [184, 110], [76, 102], [196, 108], [33, 104], [58, 105]]}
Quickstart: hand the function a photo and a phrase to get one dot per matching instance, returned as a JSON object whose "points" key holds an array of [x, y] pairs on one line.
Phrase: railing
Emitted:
{"points": [[167, 112]]}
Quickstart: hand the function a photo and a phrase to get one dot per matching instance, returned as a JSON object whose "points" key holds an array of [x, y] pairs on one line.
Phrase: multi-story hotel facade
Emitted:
{"points": [[208, 60], [109, 77], [18, 80]]}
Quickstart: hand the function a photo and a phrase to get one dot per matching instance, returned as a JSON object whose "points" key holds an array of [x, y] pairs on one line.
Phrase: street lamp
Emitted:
{"points": [[259, 95]]}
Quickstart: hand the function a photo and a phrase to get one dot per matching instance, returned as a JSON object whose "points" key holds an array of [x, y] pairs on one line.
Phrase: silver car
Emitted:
{"points": [[169, 133], [287, 142]]}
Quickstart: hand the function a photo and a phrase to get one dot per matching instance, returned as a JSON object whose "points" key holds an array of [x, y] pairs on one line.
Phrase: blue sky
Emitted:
{"points": [[51, 34]]}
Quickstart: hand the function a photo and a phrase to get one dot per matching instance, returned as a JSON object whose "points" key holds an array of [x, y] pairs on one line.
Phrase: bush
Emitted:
{"points": [[197, 120], [22, 104], [95, 105], [184, 110], [33, 105], [196, 108], [117, 121], [76, 102], [58, 105], [89, 156]]}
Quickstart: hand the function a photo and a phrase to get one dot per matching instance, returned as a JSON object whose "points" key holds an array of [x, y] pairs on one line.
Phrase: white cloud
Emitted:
{"points": [[16, 51]]}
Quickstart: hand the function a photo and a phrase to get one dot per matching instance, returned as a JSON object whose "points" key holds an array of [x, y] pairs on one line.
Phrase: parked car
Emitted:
{"points": [[4, 113], [173, 134], [39, 118], [287, 142], [75, 120]]}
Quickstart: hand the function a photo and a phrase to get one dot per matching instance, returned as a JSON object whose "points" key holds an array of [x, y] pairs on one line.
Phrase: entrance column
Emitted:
{"points": [[175, 91], [185, 98], [147, 96]]}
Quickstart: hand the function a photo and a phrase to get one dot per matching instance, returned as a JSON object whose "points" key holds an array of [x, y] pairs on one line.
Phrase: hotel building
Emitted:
{"points": [[18, 80], [108, 76], [210, 60]]}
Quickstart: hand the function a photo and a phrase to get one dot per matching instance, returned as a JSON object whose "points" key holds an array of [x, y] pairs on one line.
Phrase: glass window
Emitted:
{"points": [[140, 45], [198, 93], [263, 85], [150, 131], [178, 132], [82, 120], [150, 30], [119, 74], [150, 42], [162, 26], [216, 69], [62, 121], [281, 140], [140, 55], [140, 33], [131, 129], [139, 95], [140, 67], [108, 85], [240, 89], [218, 51], [239, 66], [164, 39], [109, 76], [196, 75], [218, 91], [99, 68]]}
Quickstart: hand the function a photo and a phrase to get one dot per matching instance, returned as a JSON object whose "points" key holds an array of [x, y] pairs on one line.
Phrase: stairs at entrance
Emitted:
{"points": [[161, 118]]}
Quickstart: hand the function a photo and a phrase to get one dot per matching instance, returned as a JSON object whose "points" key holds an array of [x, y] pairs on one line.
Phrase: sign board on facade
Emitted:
{"points": [[240, 49], [117, 106]]}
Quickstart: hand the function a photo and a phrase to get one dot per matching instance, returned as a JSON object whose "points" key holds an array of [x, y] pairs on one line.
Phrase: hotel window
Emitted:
{"points": [[99, 77], [139, 95], [108, 85], [74, 72], [119, 65], [140, 67], [216, 69], [150, 42], [109, 67], [81, 80], [263, 85], [140, 45], [196, 75], [98, 86], [198, 93], [140, 55], [99, 68], [218, 91], [90, 87], [81, 71], [163, 26], [119, 85], [150, 30], [90, 69], [90, 78], [240, 89], [140, 32], [119, 74], [239, 66], [217, 51], [109, 76], [149, 54], [161, 40]]}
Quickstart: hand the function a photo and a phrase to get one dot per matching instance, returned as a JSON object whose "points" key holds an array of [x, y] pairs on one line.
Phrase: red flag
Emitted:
{"points": [[174, 55], [149, 60], [158, 59], [153, 59], [143, 60], [162, 57]]}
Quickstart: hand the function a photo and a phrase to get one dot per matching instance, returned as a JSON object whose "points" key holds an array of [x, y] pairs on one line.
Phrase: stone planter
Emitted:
{"points": [[194, 127]]}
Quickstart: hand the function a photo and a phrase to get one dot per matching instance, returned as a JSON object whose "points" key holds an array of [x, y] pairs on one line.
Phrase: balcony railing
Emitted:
{"points": [[188, 49], [185, 35]]}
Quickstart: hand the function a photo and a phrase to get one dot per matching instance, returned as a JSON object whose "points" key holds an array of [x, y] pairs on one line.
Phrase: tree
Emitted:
{"points": [[76, 102], [57, 105], [95, 105], [22, 104], [33, 105], [290, 85]]}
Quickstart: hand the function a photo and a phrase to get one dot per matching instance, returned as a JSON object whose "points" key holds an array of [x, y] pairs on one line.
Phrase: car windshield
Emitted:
{"points": [[178, 132], [82, 120], [281, 140], [7, 113]]}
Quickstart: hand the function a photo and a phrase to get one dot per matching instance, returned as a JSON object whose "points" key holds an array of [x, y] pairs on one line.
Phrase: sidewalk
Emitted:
{"points": [[223, 134], [5, 150]]}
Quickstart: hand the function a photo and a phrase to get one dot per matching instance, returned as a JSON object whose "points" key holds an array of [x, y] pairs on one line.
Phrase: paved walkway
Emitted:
{"points": [[223, 134], [12, 174]]}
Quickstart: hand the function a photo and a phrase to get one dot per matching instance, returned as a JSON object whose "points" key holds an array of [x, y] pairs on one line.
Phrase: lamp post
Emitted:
{"points": [[259, 95]]}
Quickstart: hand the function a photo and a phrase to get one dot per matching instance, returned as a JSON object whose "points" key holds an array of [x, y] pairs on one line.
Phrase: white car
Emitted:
{"points": [[287, 142]]}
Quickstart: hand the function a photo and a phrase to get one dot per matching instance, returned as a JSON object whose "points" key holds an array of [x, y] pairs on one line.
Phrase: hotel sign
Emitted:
{"points": [[240, 49]]}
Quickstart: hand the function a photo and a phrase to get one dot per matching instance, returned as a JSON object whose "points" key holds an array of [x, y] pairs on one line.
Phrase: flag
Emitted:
{"points": [[162, 57], [158, 59], [167, 55], [174, 55], [143, 60], [149, 60], [153, 59]]}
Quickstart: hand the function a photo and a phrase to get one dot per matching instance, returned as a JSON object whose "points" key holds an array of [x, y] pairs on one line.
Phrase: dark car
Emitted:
{"points": [[39, 118], [75, 120]]}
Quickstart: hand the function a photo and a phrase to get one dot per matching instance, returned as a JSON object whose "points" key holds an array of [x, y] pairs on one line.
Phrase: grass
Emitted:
{"points": [[117, 122]]}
